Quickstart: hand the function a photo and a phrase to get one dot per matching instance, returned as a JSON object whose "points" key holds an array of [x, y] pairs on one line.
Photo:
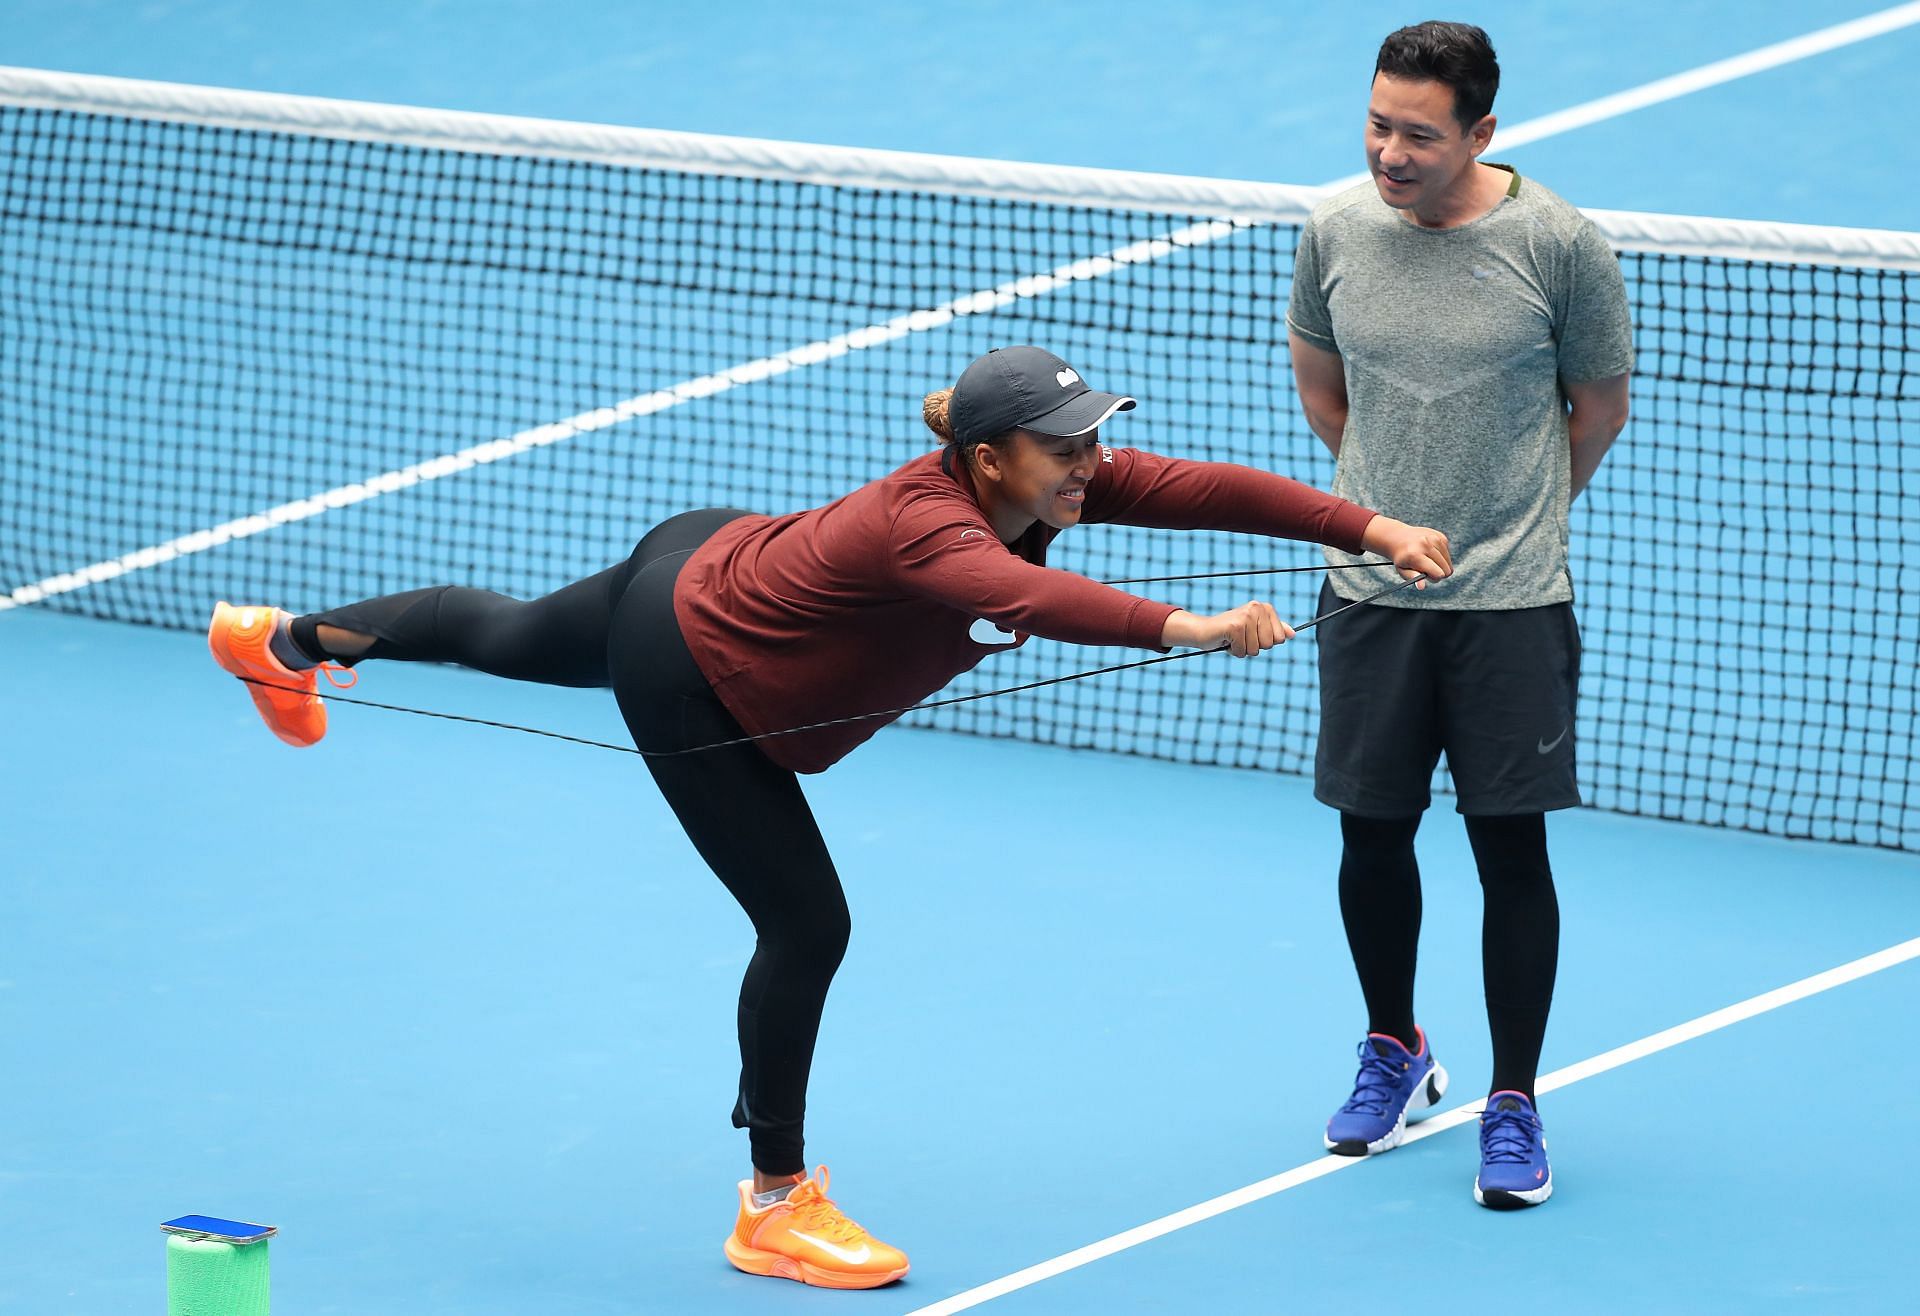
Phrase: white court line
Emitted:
{"points": [[646, 404], [914, 322], [1707, 75], [1330, 1164], [1712, 75]]}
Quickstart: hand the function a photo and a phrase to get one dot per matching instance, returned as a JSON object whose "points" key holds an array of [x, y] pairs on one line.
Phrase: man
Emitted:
{"points": [[1460, 341]]}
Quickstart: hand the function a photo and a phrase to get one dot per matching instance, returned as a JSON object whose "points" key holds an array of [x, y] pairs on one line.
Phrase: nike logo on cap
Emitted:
{"points": [[1066, 378]]}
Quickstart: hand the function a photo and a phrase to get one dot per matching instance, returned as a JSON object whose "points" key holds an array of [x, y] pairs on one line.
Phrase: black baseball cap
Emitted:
{"points": [[1026, 388]]}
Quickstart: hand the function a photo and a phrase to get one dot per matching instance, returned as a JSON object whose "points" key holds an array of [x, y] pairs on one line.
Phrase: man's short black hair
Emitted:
{"points": [[1457, 54]]}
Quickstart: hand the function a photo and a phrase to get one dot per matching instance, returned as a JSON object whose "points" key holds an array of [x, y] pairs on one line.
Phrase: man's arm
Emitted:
{"points": [[1597, 412], [1321, 380]]}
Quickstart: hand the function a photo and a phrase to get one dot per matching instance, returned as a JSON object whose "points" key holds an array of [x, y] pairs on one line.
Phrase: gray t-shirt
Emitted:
{"points": [[1456, 342]]}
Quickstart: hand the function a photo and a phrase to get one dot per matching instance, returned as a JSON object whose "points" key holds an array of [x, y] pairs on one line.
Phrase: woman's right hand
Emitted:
{"points": [[1246, 630]]}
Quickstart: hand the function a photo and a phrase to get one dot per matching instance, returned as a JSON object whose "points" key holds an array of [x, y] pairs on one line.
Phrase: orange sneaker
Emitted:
{"points": [[807, 1238], [288, 701]]}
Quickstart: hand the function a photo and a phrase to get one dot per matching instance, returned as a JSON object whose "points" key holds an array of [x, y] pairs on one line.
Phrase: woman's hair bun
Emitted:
{"points": [[935, 409]]}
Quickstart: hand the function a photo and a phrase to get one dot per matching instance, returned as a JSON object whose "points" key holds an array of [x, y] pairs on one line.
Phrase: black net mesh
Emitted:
{"points": [[201, 325]]}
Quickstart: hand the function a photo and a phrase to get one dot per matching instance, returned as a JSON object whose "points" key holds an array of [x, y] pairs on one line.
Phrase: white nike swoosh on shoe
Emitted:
{"points": [[852, 1256]]}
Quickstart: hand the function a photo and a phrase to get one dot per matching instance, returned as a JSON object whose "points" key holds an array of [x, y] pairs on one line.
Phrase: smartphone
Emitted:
{"points": [[224, 1231]]}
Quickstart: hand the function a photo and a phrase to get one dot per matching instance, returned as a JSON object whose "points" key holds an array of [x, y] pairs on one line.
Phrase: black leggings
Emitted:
{"points": [[746, 816], [1519, 932]]}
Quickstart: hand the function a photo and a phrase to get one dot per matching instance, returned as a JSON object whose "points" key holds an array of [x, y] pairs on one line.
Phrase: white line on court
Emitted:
{"points": [[986, 299], [646, 404], [1330, 1164], [1707, 75], [1711, 75]]}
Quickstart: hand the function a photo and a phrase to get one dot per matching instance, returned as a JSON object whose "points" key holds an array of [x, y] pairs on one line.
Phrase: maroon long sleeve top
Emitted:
{"points": [[871, 602]]}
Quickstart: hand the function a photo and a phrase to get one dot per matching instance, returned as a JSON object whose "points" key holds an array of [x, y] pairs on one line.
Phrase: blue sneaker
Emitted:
{"points": [[1513, 1155], [1394, 1087]]}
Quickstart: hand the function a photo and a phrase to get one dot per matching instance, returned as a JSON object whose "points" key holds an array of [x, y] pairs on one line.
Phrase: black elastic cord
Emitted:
{"points": [[858, 717], [1018, 689], [1256, 571], [445, 717]]}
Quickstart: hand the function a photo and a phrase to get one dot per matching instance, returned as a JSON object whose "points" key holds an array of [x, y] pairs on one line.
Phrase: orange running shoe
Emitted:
{"points": [[289, 701], [807, 1238]]}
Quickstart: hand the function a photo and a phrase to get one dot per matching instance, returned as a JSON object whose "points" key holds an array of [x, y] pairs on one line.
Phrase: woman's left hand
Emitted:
{"points": [[1416, 550]]}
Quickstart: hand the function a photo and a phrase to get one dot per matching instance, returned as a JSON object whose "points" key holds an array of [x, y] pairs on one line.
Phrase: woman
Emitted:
{"points": [[725, 624]]}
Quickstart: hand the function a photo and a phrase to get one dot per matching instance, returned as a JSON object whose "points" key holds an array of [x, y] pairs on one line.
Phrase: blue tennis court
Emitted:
{"points": [[466, 1068], [453, 1007]]}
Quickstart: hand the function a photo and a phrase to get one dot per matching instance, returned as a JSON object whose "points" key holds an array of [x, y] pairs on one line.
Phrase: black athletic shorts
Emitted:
{"points": [[1494, 690]]}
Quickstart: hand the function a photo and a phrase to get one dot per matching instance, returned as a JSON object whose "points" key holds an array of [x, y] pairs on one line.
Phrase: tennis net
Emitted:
{"points": [[297, 351]]}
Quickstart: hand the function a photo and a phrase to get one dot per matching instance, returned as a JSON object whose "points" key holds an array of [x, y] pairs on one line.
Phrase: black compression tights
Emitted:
{"points": [[747, 817], [1519, 940]]}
